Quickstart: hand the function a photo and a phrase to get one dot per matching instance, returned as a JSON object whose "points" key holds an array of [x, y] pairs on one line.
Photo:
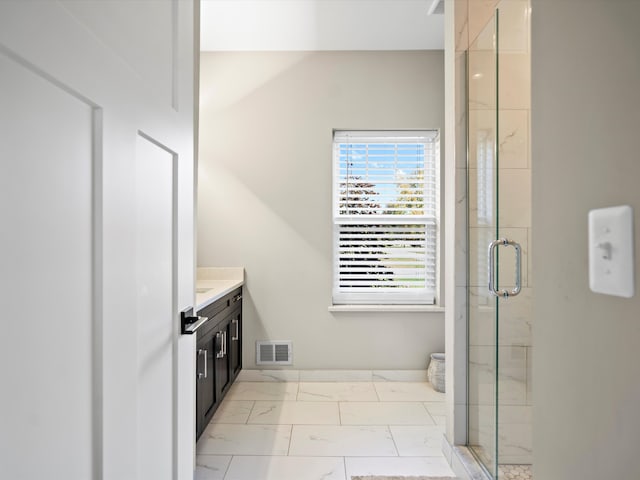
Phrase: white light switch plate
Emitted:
{"points": [[611, 260]]}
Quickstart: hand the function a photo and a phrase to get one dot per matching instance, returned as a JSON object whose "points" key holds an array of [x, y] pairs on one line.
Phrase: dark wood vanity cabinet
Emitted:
{"points": [[219, 355]]}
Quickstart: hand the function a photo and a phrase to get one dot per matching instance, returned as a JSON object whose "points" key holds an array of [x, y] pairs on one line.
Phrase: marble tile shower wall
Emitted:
{"points": [[514, 215]]}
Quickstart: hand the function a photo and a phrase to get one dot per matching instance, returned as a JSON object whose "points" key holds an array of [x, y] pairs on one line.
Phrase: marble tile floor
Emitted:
{"points": [[324, 431]]}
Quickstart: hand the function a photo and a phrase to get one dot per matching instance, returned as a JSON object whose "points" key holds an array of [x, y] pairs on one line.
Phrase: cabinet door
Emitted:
{"points": [[235, 345], [222, 337], [205, 383]]}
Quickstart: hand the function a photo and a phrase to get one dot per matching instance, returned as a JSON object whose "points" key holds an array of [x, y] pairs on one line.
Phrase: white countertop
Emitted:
{"points": [[213, 283]]}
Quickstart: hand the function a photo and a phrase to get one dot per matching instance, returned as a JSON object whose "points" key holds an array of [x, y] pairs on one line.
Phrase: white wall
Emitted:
{"points": [[265, 192], [585, 119]]}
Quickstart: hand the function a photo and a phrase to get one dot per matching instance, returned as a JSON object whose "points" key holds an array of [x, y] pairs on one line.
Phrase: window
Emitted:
{"points": [[385, 215]]}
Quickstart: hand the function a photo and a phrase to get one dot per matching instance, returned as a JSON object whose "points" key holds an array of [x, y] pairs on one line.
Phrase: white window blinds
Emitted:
{"points": [[385, 217]]}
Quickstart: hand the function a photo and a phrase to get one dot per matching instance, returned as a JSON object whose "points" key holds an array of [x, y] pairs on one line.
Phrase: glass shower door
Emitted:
{"points": [[482, 181], [499, 222]]}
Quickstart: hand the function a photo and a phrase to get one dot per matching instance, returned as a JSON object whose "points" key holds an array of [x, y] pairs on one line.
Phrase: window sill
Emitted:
{"points": [[386, 308]]}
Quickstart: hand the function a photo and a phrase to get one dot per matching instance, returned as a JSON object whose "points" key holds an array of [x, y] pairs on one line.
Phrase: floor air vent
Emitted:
{"points": [[274, 353]]}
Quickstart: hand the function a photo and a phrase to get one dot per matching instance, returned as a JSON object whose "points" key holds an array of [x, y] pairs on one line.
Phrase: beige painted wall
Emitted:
{"points": [[265, 192], [585, 120]]}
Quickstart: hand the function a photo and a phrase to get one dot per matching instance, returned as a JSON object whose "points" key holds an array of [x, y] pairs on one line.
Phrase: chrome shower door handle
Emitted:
{"points": [[492, 268], [518, 286]]}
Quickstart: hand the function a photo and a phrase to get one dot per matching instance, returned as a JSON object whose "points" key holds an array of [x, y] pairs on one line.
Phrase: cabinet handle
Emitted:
{"points": [[237, 297], [205, 374], [220, 353], [224, 343], [237, 334]]}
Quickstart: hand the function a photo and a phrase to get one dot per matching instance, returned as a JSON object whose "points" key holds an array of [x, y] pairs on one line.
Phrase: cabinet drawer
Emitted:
{"points": [[218, 310]]}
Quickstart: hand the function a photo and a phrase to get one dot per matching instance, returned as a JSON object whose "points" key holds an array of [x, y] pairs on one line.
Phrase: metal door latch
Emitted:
{"points": [[190, 323]]}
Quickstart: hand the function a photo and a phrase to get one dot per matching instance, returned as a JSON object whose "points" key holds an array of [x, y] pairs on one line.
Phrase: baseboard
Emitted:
{"points": [[332, 375]]}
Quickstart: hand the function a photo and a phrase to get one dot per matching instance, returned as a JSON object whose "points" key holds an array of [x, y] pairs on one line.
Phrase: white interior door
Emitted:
{"points": [[96, 238]]}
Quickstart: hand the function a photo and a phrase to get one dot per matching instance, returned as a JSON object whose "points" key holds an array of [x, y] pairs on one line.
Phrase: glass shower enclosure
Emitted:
{"points": [[499, 225]]}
